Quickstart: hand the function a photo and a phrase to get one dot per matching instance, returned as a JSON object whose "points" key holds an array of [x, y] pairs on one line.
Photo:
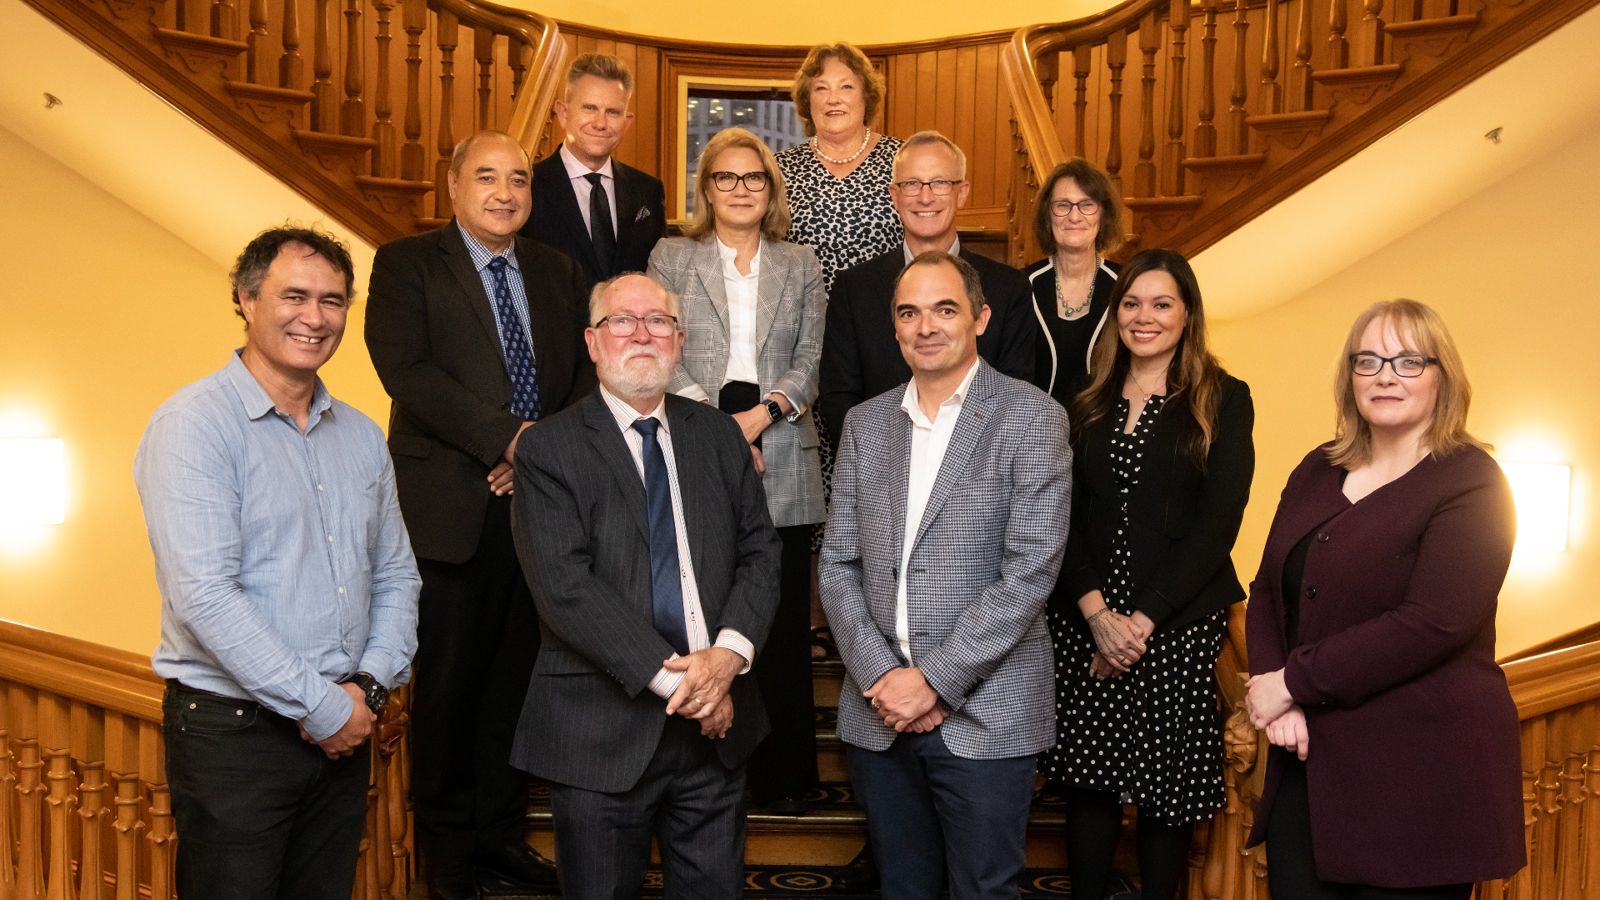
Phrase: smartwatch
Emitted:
{"points": [[773, 409], [375, 693]]}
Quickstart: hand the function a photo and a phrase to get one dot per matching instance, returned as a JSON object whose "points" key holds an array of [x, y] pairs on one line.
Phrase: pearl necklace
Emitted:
{"points": [[1065, 311], [817, 149]]}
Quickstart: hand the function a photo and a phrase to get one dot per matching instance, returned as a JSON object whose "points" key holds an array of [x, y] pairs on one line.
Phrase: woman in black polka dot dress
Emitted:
{"points": [[1162, 468]]}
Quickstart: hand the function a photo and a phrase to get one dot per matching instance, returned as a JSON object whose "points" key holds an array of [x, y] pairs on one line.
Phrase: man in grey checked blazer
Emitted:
{"points": [[950, 506]]}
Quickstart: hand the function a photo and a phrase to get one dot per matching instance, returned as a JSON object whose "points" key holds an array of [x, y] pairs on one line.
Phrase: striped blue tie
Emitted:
{"points": [[666, 588]]}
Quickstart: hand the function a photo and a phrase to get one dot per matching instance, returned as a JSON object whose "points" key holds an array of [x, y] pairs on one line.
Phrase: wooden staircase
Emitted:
{"points": [[1237, 104]]}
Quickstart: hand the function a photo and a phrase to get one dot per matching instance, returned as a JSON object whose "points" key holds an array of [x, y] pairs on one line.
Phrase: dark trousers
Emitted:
{"points": [[1094, 826], [477, 637], [261, 813], [1291, 865], [786, 762], [686, 798], [937, 819]]}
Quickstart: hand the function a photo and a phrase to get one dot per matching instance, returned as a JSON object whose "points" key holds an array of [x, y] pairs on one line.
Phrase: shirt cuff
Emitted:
{"points": [[390, 672], [728, 639], [665, 682], [329, 714], [795, 409], [695, 392]]}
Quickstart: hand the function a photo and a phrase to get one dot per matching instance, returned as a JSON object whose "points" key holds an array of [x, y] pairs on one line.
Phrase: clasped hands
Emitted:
{"points": [[905, 702], [1119, 641], [1273, 710], [503, 475], [702, 695], [353, 733]]}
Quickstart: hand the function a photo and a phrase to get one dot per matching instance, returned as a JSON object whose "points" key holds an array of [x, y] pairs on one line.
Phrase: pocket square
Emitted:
{"points": [[644, 213]]}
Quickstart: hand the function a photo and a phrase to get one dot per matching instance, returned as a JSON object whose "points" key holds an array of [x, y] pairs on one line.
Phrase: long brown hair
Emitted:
{"points": [[1420, 330], [1193, 374]]}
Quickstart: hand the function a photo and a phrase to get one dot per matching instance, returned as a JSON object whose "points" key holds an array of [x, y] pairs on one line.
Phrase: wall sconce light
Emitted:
{"points": [[33, 482], [1543, 494]]}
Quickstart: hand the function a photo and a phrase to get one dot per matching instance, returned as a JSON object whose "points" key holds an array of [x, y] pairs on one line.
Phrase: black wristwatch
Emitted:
{"points": [[375, 693], [773, 409]]}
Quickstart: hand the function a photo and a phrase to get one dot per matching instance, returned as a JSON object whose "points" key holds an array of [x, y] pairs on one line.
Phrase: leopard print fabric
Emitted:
{"points": [[846, 220]]}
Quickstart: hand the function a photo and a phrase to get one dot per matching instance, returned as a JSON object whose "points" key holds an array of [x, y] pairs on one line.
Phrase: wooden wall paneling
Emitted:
{"points": [[899, 116], [945, 89], [927, 91], [978, 144], [648, 139], [992, 122]]}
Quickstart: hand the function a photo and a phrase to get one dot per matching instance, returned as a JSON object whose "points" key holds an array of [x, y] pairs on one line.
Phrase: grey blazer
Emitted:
{"points": [[985, 559], [790, 314], [578, 516]]}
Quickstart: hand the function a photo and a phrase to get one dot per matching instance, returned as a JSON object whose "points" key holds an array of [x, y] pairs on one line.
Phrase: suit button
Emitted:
{"points": [[1322, 537], [1311, 593]]}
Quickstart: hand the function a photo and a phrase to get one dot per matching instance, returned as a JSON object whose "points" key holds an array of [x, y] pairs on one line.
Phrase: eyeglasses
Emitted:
{"points": [[625, 326], [1408, 365], [727, 181], [940, 186], [1063, 208]]}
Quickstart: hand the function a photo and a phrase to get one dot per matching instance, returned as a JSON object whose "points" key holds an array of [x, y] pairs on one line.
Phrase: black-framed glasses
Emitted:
{"points": [[755, 182], [1406, 365], [625, 326], [940, 186], [1063, 208]]}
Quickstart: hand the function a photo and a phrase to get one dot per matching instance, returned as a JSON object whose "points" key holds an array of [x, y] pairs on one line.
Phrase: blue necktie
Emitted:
{"points": [[520, 367], [666, 588]]}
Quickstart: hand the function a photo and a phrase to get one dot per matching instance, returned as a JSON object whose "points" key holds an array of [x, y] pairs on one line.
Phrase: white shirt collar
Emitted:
{"points": [[726, 254], [575, 167], [955, 249], [953, 402], [626, 415]]}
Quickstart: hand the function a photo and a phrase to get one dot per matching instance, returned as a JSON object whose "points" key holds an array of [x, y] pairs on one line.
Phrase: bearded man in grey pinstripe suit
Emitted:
{"points": [[950, 506]]}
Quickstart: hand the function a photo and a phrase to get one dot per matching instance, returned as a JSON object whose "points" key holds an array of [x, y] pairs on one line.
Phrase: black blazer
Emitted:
{"points": [[1182, 522], [557, 221], [578, 514], [860, 358], [431, 333]]}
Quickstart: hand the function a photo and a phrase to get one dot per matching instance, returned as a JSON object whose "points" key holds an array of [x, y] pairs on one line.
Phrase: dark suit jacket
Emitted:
{"points": [[431, 332], [860, 358], [1414, 772], [557, 221], [1182, 521], [590, 719]]}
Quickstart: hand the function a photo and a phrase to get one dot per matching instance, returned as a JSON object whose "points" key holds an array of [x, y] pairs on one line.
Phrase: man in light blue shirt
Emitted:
{"points": [[289, 591]]}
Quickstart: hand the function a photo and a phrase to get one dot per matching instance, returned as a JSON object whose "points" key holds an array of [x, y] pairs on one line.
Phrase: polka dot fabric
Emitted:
{"points": [[1154, 734], [846, 220]]}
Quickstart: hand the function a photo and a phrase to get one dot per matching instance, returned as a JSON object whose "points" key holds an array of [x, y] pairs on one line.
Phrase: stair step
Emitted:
{"points": [[201, 53], [269, 105], [1436, 37]]}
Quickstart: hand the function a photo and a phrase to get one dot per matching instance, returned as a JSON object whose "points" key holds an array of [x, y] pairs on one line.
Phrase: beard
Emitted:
{"points": [[640, 373]]}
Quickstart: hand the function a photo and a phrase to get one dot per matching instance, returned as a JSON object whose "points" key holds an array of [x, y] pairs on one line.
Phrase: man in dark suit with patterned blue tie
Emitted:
{"points": [[643, 528], [476, 334], [604, 214], [949, 517]]}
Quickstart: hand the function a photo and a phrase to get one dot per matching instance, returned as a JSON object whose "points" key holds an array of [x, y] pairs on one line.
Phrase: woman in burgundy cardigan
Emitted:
{"points": [[1395, 765]]}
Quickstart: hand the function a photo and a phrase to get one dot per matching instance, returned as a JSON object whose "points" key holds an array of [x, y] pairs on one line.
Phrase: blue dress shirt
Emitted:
{"points": [[282, 559]]}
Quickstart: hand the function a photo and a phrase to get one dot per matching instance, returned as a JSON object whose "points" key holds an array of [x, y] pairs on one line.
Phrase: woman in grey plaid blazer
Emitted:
{"points": [[753, 312]]}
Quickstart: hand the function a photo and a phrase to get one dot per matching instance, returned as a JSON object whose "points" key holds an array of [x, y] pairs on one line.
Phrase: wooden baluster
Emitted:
{"points": [[483, 52], [517, 55], [1174, 153], [1081, 66], [224, 20], [1338, 47], [1238, 129], [383, 153], [8, 828], [1271, 91], [59, 799], [445, 36], [1547, 788], [353, 112], [194, 16], [88, 748], [1591, 807], [1116, 59], [1048, 70], [30, 820], [127, 825], [1144, 171], [1571, 821], [291, 65], [1300, 83], [412, 157], [324, 108], [396, 771], [162, 835], [256, 53], [1205, 132], [1369, 49]]}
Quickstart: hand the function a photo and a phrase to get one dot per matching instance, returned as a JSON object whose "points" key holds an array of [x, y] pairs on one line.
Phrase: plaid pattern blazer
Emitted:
{"points": [[790, 313], [985, 558]]}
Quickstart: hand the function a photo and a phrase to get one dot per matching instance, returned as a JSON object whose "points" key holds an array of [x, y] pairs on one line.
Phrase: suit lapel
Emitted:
{"points": [[566, 209], [708, 266], [769, 290], [898, 452], [454, 248], [617, 460], [628, 203], [544, 328], [956, 466]]}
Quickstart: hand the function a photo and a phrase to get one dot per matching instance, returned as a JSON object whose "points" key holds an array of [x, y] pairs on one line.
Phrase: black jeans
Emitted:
{"points": [[261, 813]]}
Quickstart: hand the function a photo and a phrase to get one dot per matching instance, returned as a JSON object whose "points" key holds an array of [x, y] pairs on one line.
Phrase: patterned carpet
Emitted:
{"points": [[771, 883]]}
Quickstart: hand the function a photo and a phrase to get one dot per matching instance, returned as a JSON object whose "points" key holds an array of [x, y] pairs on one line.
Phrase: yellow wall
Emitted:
{"points": [[740, 22], [1513, 270], [105, 315]]}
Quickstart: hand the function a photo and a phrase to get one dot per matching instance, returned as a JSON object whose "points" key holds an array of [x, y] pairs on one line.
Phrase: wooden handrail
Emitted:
{"points": [[531, 112]]}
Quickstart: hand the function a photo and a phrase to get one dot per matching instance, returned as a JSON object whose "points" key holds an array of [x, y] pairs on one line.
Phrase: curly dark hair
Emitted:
{"points": [[250, 269]]}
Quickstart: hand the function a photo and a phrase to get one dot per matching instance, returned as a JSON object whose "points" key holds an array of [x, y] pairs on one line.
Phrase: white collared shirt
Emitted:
{"points": [[742, 299], [665, 682], [929, 440], [579, 174]]}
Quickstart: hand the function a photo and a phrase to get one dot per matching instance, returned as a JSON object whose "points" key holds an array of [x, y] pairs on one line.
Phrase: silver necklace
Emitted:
{"points": [[1065, 311], [817, 149]]}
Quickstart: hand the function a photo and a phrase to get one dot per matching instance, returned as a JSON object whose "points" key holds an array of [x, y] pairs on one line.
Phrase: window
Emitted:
{"points": [[767, 111]]}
